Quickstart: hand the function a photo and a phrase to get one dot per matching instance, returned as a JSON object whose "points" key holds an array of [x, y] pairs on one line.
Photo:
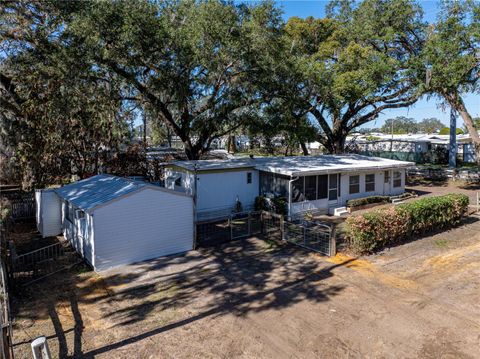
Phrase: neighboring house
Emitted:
{"points": [[420, 148], [309, 183], [113, 221]]}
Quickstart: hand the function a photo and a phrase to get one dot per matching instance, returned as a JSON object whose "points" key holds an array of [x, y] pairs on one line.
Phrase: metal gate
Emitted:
{"points": [[245, 224], [40, 263], [318, 237]]}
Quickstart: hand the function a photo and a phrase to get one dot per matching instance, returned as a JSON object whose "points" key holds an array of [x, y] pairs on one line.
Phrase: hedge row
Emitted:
{"points": [[374, 230], [367, 200], [375, 199]]}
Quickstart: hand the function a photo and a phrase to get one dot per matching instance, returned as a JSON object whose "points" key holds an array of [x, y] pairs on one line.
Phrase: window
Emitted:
{"points": [[79, 214], [354, 182], [68, 212], [311, 188], [178, 181], [370, 182], [386, 177], [333, 187], [249, 177], [322, 187], [397, 179], [297, 190]]}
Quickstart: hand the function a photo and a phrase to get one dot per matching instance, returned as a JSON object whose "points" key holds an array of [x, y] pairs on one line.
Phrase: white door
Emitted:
{"points": [[387, 180], [333, 189]]}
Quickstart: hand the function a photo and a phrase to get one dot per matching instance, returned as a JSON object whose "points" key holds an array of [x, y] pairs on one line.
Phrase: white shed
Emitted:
{"points": [[113, 221], [48, 212]]}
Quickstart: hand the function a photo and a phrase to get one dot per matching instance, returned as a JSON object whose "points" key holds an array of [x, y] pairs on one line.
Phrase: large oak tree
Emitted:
{"points": [[347, 69], [197, 65], [452, 55]]}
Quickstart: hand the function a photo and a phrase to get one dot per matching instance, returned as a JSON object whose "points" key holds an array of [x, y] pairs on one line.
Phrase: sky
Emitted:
{"points": [[424, 108]]}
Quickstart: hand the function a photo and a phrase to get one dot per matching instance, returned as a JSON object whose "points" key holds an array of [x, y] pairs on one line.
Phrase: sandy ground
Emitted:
{"points": [[252, 299]]}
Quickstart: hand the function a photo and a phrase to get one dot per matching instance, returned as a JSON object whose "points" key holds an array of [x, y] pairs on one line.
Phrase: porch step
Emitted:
{"points": [[339, 211]]}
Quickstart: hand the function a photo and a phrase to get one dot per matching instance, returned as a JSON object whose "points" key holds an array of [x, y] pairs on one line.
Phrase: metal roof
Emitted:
{"points": [[324, 164], [97, 190], [297, 165]]}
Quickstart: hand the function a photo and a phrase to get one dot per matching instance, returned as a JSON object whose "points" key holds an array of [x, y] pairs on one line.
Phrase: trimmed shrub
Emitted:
{"points": [[367, 200], [374, 230], [260, 203]]}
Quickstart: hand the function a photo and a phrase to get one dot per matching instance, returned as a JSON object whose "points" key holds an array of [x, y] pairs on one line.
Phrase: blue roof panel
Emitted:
{"points": [[97, 190]]}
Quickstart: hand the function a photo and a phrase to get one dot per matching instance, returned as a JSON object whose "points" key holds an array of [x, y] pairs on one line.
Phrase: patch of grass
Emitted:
{"points": [[441, 243], [270, 245]]}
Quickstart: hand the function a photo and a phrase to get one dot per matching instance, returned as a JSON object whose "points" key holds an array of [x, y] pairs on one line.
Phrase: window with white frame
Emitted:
{"points": [[397, 179], [386, 176], [354, 184], [69, 212], [370, 182]]}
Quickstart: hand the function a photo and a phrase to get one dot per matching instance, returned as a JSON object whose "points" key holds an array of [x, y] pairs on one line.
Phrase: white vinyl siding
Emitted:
{"points": [[146, 224]]}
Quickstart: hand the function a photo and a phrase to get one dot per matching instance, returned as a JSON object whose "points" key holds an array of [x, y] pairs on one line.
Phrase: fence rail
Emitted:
{"points": [[313, 235], [317, 237], [22, 205], [37, 264]]}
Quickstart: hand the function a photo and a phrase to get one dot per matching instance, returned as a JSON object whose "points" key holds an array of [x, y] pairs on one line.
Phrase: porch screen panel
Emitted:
{"points": [[311, 188], [298, 190], [322, 186]]}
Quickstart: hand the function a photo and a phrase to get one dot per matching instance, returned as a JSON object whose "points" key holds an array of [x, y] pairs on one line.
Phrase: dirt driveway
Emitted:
{"points": [[250, 299]]}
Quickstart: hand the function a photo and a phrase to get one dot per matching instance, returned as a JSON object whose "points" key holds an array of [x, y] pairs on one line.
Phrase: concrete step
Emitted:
{"points": [[339, 211], [397, 200]]}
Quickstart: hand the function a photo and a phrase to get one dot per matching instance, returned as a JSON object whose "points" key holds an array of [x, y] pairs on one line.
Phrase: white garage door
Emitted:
{"points": [[146, 224]]}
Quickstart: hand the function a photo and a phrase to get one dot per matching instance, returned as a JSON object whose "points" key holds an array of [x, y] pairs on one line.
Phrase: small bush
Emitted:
{"points": [[373, 230], [277, 204]]}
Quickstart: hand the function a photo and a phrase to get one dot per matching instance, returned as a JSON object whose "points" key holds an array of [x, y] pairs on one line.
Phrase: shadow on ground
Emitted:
{"points": [[238, 278]]}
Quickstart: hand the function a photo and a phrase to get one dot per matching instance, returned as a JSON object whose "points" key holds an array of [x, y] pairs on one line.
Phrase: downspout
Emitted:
{"points": [[195, 167], [290, 195]]}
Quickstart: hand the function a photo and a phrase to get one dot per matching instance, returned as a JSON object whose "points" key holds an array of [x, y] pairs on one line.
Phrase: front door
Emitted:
{"points": [[333, 189], [387, 179]]}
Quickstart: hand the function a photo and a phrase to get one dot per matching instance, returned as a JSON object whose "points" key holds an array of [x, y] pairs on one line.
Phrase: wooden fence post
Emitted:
{"points": [[333, 240]]}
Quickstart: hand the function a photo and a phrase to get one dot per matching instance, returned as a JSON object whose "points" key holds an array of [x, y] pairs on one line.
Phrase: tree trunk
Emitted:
{"points": [[336, 144], [191, 152], [457, 103], [304, 148]]}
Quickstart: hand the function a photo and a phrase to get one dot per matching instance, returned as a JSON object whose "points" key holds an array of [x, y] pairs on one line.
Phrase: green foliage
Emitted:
{"points": [[446, 131], [404, 125], [374, 230], [198, 66], [277, 204], [430, 125], [451, 57], [350, 67]]}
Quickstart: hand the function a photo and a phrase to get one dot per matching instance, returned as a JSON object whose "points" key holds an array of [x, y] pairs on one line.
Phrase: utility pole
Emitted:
{"points": [[391, 141], [452, 153]]}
